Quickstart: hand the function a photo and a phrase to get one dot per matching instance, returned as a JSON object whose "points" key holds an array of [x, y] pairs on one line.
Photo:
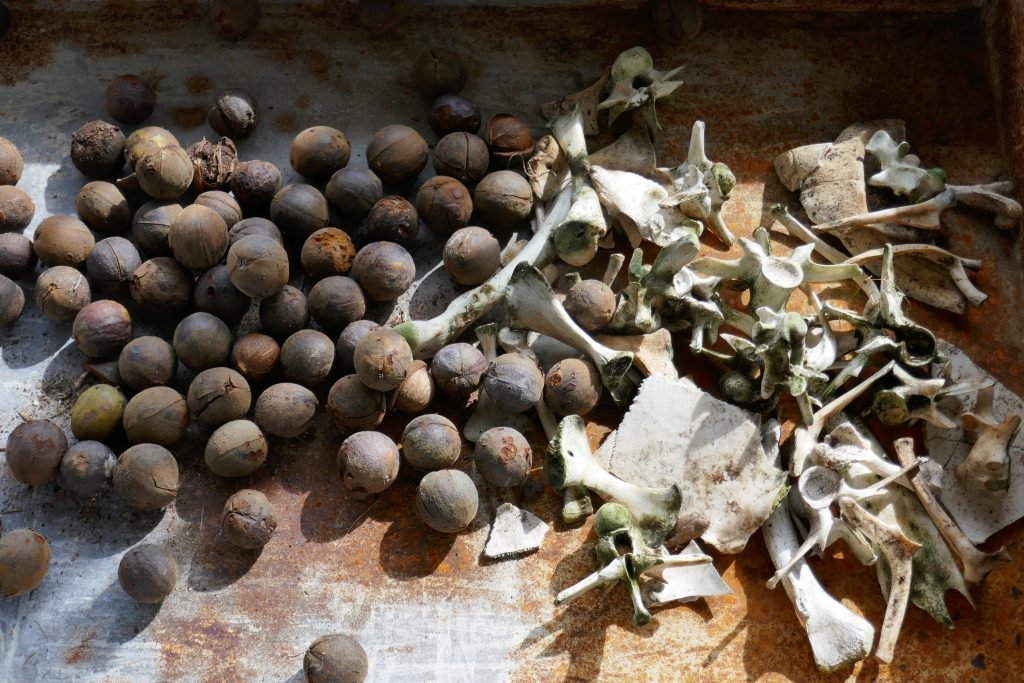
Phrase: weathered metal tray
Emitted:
{"points": [[423, 604]]}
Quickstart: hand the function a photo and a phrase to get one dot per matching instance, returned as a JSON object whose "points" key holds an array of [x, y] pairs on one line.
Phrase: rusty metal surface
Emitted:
{"points": [[422, 603]]}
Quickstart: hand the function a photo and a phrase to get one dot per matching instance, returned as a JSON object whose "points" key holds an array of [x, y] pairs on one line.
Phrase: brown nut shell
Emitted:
{"points": [[471, 256], [61, 292], [319, 151], [431, 442], [150, 226], [393, 218], [16, 209], [503, 457], [307, 357], [147, 362], [416, 391], [17, 256], [508, 136], [382, 359], [258, 266], [254, 184], [62, 241], [218, 395], [213, 164], [591, 303], [34, 451], [336, 301], [299, 209], [156, 415], [444, 204], [110, 265], [235, 449], [102, 328], [286, 410], [397, 153], [161, 285], [97, 149], [146, 477], [384, 270], [255, 355], [462, 156], [249, 519], [165, 173], [103, 208], [503, 198], [129, 99], [202, 341], [447, 500], [198, 237], [572, 387], [335, 658], [11, 162], [12, 302], [368, 462], [147, 573], [327, 252], [353, 406], [24, 561]]}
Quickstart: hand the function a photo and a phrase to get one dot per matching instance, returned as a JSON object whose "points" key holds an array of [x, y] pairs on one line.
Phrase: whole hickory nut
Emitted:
{"points": [[336, 301], [397, 153], [393, 218], [225, 206], [319, 151], [382, 359], [63, 241], [24, 561], [415, 392], [444, 204], [85, 469], [453, 113], [97, 149], [146, 477], [299, 210], [352, 405], [147, 573], [368, 462], [215, 294], [462, 156], [258, 266], [102, 329], [198, 237], [34, 451], [11, 162], [61, 292], [147, 362], [447, 500], [12, 302], [255, 355], [254, 184], [384, 270], [471, 256], [202, 341], [218, 395], [16, 209], [440, 71], [591, 303], [508, 137], [335, 658], [327, 252], [161, 285], [236, 449], [150, 226], [143, 140], [165, 173], [17, 256], [234, 114], [503, 457], [286, 410], [431, 442], [503, 199], [457, 368], [156, 415], [110, 265], [97, 413], [130, 99], [353, 191]]}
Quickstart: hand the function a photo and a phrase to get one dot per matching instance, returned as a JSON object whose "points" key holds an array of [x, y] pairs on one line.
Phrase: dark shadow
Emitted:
{"points": [[298, 677], [62, 187], [432, 295], [33, 338], [412, 550], [218, 564], [132, 617], [100, 528]]}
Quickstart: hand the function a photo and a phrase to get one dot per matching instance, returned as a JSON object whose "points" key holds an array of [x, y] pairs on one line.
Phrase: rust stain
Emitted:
{"points": [[189, 117], [285, 123], [198, 84], [302, 102], [82, 651], [315, 62]]}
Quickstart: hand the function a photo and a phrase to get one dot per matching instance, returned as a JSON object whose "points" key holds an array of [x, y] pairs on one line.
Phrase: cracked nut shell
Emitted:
{"points": [[335, 658], [110, 265], [235, 449], [161, 285], [156, 415], [234, 114], [249, 519], [444, 204], [150, 226], [198, 237], [103, 208], [61, 292], [254, 184], [397, 153], [218, 395], [146, 477], [462, 156], [327, 252], [458, 368]]}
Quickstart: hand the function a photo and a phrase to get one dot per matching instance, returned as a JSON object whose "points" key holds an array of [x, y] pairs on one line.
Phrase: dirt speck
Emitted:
{"points": [[285, 123], [198, 84], [302, 101], [189, 117]]}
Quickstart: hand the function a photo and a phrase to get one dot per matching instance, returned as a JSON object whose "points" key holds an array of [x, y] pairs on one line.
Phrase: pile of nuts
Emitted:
{"points": [[202, 235]]}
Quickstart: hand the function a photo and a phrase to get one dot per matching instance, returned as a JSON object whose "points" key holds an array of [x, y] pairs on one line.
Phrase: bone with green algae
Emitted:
{"points": [[576, 237]]}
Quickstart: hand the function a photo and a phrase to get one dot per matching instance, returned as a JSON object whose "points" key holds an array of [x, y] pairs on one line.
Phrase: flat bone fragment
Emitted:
{"points": [[978, 513], [651, 352], [515, 532], [632, 152], [675, 433], [684, 584]]}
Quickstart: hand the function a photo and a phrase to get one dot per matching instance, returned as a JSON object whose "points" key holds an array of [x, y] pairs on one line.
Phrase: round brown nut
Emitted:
{"points": [[17, 257], [457, 369], [34, 451], [353, 191], [440, 71], [215, 294], [384, 270], [150, 226], [415, 392], [335, 658], [24, 561], [299, 209], [508, 137], [143, 140], [452, 113], [397, 153], [165, 173], [254, 226], [591, 303], [103, 208], [368, 462], [234, 19], [97, 413], [102, 328], [147, 362], [258, 266], [327, 252], [353, 405], [198, 237], [503, 457], [224, 204], [63, 241], [349, 338], [462, 156], [393, 218], [129, 99], [319, 151], [249, 519], [97, 149], [431, 442], [16, 209], [444, 204], [11, 163], [161, 285], [513, 382], [286, 410], [235, 449], [255, 356], [471, 255], [111, 263], [503, 198], [285, 313], [146, 477], [234, 114], [218, 395], [61, 292], [382, 359], [213, 163], [147, 573], [307, 357], [156, 415], [12, 302], [202, 341], [572, 387], [336, 301], [447, 500], [85, 469], [254, 184]]}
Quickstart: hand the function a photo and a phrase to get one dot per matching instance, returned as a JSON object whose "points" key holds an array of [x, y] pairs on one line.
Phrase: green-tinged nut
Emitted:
{"points": [[431, 442], [890, 407], [24, 561], [97, 413], [723, 178], [739, 388], [576, 242], [447, 500]]}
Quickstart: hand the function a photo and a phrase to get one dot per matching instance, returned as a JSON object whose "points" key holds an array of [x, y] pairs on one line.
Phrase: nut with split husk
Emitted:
{"points": [[156, 415], [258, 266], [393, 218], [327, 252], [503, 457], [397, 153], [24, 561], [148, 573], [97, 413], [286, 410], [34, 451], [202, 341], [462, 156], [234, 114], [62, 241], [146, 362], [255, 183], [382, 359], [17, 257], [431, 442], [415, 392], [458, 369], [129, 99], [255, 355], [384, 270], [102, 328], [451, 113], [102, 207], [146, 477], [145, 139], [447, 500], [471, 255], [249, 519], [319, 151], [353, 191], [217, 295], [161, 284], [213, 163], [165, 173], [284, 313], [198, 237], [111, 263], [85, 469], [150, 226], [508, 137], [368, 463], [12, 302], [307, 357], [503, 198], [335, 658], [336, 301], [60, 292], [353, 406], [225, 206], [218, 395]]}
